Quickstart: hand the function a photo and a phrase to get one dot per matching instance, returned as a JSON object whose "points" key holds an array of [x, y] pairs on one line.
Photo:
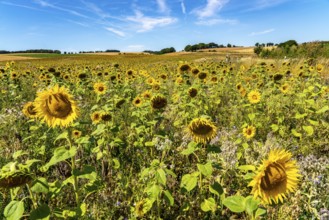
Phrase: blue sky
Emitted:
{"points": [[137, 25]]}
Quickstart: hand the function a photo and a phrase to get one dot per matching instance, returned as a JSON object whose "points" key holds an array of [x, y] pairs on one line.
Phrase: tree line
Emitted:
{"points": [[31, 51], [291, 49], [200, 46]]}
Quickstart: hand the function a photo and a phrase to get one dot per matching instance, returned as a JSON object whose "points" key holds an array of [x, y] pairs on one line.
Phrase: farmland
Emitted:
{"points": [[186, 135]]}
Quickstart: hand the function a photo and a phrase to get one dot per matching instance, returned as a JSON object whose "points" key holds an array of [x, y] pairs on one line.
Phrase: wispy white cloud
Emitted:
{"points": [[262, 4], [78, 23], [212, 7], [262, 32], [182, 5], [146, 23], [18, 5], [49, 5], [215, 21], [162, 6], [115, 31], [95, 9]]}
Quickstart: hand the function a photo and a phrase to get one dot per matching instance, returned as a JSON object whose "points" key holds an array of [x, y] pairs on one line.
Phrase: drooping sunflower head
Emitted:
{"points": [[120, 103], [100, 88], [195, 71], [11, 176], [29, 110], [192, 92], [249, 131], [277, 176], [254, 97], [184, 68], [56, 107], [201, 130], [106, 116], [158, 102]]}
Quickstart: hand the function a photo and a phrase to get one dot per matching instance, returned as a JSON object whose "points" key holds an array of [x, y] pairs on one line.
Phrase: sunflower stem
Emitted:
{"points": [[35, 205], [75, 179]]}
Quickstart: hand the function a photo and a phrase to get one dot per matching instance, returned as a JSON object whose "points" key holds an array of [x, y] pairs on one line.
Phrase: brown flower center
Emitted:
{"points": [[58, 106], [275, 176]]}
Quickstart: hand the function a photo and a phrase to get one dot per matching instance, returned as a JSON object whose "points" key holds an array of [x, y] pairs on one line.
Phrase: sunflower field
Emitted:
{"points": [[160, 137]]}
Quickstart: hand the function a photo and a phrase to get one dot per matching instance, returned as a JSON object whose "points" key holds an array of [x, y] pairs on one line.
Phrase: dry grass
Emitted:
{"points": [[5, 57]]}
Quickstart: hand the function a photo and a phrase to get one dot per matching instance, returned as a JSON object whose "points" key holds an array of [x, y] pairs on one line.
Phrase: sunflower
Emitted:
{"points": [[137, 101], [147, 94], [243, 92], [100, 88], [106, 116], [195, 71], [277, 176], [238, 86], [156, 86], [14, 179], [96, 117], [201, 130], [249, 131], [56, 107], [76, 134], [158, 102], [29, 110], [120, 103], [14, 75], [179, 81], [183, 68], [284, 88], [192, 92], [319, 67], [150, 81], [202, 75], [254, 97]]}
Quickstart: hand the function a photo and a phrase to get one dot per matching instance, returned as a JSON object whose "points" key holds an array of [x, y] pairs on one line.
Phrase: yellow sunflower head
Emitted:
{"points": [[29, 110], [254, 97], [147, 94], [76, 134], [96, 117], [276, 176], [137, 101], [100, 88], [158, 102], [249, 131], [201, 130], [285, 88], [243, 92], [56, 106], [319, 67]]}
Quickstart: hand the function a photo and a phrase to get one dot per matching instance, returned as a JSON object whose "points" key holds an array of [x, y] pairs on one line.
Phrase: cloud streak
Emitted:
{"points": [[145, 23], [162, 6], [215, 21], [48, 5], [262, 32], [115, 31], [212, 7], [182, 5]]}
